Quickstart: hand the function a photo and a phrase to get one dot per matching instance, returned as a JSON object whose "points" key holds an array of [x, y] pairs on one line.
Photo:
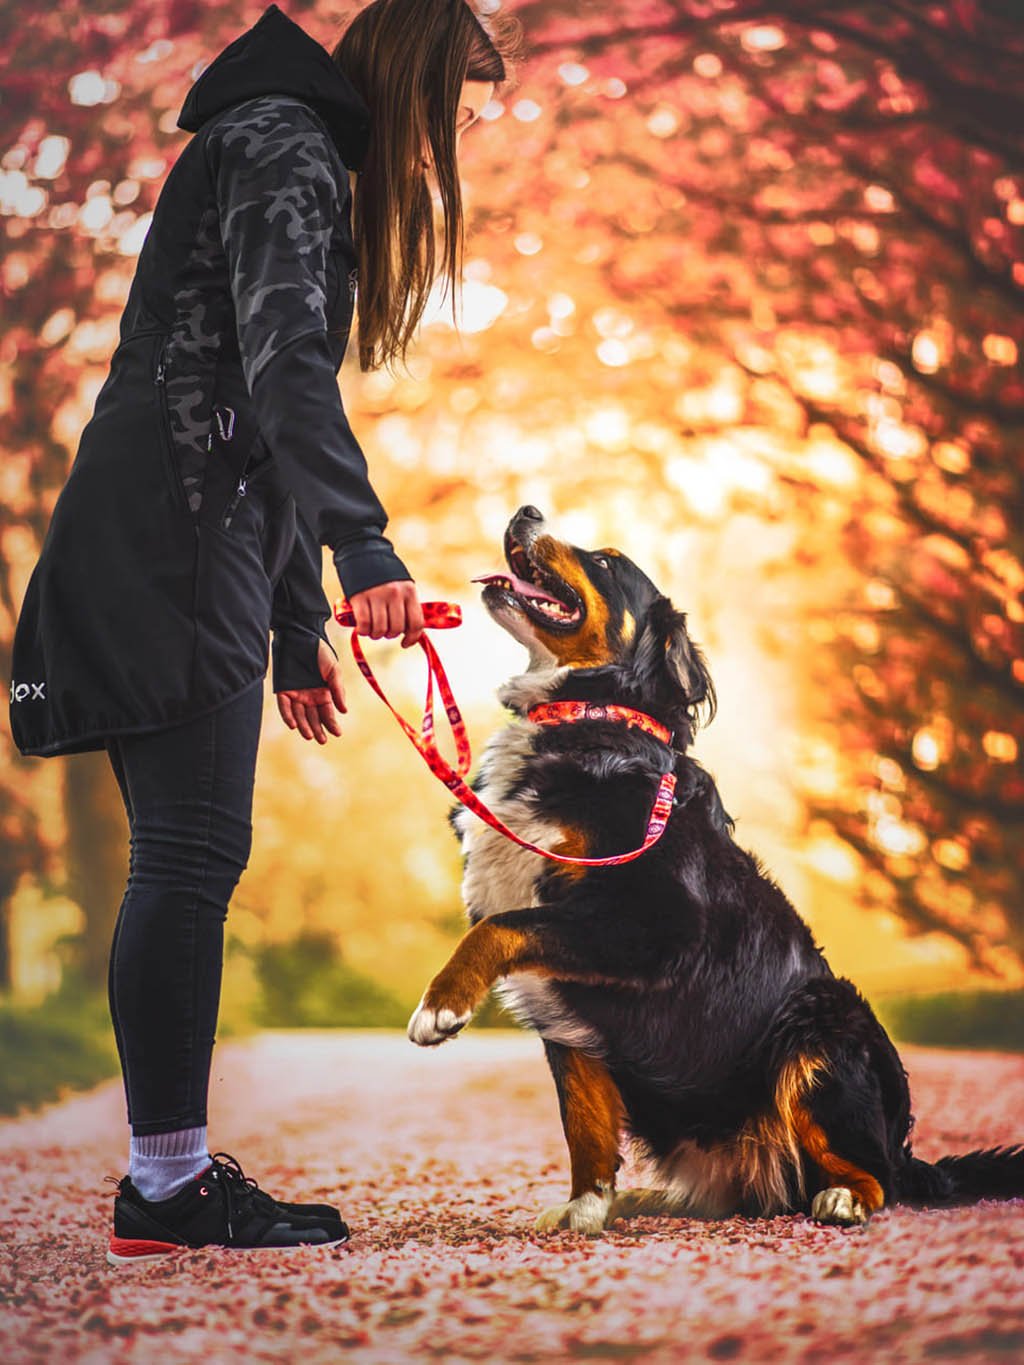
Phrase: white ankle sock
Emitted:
{"points": [[160, 1164]]}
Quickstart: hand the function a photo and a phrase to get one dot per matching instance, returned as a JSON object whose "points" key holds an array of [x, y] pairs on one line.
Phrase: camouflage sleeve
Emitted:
{"points": [[281, 191], [299, 615]]}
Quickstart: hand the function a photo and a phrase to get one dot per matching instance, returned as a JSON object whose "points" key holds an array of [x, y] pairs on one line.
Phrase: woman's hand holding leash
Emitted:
{"points": [[388, 610]]}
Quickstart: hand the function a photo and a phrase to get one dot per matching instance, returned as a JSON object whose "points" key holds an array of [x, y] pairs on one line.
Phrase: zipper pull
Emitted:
{"points": [[160, 370], [232, 506]]}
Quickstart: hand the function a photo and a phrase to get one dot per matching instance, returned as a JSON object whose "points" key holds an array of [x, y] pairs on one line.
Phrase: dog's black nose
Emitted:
{"points": [[530, 512]]}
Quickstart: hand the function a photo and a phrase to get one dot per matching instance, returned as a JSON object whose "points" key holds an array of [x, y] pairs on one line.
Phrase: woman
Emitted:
{"points": [[217, 462]]}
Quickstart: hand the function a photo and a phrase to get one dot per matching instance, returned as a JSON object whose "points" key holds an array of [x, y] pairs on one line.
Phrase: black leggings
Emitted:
{"points": [[188, 794]]}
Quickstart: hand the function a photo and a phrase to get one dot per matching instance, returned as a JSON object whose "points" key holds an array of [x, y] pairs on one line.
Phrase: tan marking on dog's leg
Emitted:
{"points": [[486, 952], [865, 1194], [796, 1078], [592, 1120], [766, 1158]]}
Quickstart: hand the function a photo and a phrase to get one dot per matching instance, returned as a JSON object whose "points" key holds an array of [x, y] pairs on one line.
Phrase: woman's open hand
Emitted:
{"points": [[313, 711]]}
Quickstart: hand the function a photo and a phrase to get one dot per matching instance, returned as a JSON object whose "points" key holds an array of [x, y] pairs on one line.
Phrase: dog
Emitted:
{"points": [[680, 997]]}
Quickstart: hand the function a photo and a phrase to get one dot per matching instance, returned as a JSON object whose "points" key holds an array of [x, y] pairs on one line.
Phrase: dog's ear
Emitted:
{"points": [[666, 659]]}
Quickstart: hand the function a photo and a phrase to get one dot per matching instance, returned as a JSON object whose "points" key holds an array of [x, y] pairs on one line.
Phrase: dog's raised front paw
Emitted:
{"points": [[587, 1213], [428, 1027], [838, 1206]]}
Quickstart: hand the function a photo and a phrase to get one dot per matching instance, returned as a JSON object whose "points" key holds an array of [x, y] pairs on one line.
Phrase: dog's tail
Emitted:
{"points": [[997, 1173]]}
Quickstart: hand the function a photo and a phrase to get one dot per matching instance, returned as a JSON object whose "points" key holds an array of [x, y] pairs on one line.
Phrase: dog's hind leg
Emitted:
{"points": [[592, 1112], [850, 1194], [842, 1096], [840, 1126]]}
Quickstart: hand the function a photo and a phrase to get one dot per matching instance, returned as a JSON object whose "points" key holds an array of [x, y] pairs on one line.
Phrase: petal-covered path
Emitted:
{"points": [[441, 1160]]}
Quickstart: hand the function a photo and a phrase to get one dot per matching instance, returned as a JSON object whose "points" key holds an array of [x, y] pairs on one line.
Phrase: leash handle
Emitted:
{"points": [[443, 616], [436, 615]]}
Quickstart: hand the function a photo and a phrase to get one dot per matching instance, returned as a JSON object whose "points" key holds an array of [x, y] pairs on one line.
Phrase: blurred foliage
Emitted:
{"points": [[66, 1044], [969, 1019], [742, 296], [306, 984]]}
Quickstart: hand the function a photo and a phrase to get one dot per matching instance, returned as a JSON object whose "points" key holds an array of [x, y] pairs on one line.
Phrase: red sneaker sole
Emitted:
{"points": [[134, 1251], [129, 1250]]}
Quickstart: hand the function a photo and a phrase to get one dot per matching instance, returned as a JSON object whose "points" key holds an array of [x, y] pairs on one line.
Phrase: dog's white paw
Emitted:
{"points": [[429, 1027], [587, 1213], [838, 1206]]}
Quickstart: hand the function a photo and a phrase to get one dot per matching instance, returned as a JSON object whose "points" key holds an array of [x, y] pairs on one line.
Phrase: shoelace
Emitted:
{"points": [[226, 1171]]}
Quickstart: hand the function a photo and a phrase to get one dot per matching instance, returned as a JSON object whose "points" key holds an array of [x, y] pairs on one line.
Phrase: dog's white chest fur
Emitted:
{"points": [[499, 875]]}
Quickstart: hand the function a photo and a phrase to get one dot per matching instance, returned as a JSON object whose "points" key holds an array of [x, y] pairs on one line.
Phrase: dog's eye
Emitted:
{"points": [[600, 559]]}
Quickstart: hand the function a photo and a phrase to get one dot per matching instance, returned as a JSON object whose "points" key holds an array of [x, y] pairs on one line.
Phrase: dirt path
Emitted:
{"points": [[440, 1161]]}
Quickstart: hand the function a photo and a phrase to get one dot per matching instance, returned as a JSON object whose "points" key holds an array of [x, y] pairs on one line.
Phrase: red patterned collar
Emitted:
{"points": [[566, 712]]}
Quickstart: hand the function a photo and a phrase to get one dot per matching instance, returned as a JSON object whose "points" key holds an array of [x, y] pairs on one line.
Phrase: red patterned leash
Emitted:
{"points": [[438, 616], [444, 616]]}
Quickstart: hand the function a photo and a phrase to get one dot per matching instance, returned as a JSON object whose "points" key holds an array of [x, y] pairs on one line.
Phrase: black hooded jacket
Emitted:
{"points": [[218, 458]]}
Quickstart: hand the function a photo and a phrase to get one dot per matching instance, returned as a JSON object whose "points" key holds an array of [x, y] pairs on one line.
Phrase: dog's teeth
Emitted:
{"points": [[556, 610]]}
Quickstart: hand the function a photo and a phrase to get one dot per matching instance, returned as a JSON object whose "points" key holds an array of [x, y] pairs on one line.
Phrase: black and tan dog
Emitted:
{"points": [[680, 997]]}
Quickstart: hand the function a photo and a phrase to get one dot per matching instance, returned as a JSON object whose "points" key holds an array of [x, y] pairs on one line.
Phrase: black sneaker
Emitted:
{"points": [[220, 1207], [305, 1210]]}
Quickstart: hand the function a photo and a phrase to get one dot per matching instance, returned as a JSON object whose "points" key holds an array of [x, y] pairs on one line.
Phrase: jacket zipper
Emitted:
{"points": [[177, 491], [236, 498]]}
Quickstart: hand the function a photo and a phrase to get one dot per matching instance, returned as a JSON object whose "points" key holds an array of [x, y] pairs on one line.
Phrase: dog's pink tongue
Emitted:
{"points": [[519, 585]]}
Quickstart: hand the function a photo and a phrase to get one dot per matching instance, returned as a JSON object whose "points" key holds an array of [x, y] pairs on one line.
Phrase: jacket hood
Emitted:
{"points": [[277, 57]]}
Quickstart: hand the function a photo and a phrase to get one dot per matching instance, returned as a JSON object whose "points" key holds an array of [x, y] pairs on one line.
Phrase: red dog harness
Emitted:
{"points": [[443, 616]]}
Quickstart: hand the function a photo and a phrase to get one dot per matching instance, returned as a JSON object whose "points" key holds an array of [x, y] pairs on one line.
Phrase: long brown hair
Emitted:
{"points": [[408, 60]]}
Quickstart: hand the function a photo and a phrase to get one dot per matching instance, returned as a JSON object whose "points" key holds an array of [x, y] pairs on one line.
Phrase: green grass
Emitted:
{"points": [[64, 1044], [67, 1042], [306, 983], [988, 1020]]}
